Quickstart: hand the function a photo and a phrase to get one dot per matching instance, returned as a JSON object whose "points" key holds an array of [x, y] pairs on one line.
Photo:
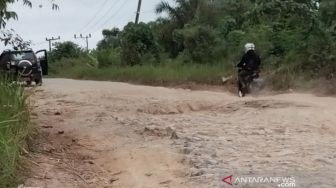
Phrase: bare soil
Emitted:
{"points": [[106, 134]]}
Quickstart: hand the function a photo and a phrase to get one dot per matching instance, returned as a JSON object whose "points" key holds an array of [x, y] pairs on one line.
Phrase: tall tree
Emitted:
{"points": [[111, 39], [6, 14], [9, 37]]}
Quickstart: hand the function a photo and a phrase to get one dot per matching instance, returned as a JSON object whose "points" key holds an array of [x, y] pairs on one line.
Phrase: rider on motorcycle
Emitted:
{"points": [[248, 65]]}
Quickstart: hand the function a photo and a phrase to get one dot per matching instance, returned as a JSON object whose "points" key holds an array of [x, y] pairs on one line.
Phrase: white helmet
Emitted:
{"points": [[249, 46]]}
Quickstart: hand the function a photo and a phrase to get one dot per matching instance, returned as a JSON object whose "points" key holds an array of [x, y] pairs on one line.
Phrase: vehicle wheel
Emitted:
{"points": [[254, 91], [241, 90], [28, 83], [256, 87], [241, 94], [38, 82]]}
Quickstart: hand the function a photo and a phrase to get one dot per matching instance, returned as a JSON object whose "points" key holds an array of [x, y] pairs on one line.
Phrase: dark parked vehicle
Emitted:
{"points": [[25, 64]]}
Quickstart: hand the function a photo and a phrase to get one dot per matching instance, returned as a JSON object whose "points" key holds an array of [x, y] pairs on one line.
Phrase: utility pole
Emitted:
{"points": [[86, 39], [138, 12], [50, 41]]}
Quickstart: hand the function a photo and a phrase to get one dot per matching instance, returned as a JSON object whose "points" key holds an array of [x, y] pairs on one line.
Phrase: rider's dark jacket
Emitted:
{"points": [[250, 61]]}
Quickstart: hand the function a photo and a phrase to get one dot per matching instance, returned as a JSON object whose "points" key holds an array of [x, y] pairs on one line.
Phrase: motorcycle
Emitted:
{"points": [[252, 85]]}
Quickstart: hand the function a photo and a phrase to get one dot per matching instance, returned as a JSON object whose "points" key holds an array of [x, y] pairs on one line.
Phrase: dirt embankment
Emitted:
{"points": [[104, 134]]}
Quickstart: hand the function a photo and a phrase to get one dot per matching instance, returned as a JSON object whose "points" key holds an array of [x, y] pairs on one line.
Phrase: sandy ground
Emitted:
{"points": [[105, 134]]}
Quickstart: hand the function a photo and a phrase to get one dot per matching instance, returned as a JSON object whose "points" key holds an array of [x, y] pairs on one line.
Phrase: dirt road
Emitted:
{"points": [[104, 134]]}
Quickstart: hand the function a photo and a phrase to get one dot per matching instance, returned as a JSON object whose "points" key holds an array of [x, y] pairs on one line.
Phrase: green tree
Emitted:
{"points": [[182, 13], [9, 36], [289, 34], [66, 49], [111, 39], [328, 13], [137, 40], [200, 43], [6, 14]]}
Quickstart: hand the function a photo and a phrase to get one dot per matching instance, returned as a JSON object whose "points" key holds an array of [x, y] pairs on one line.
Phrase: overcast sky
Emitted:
{"points": [[76, 17]]}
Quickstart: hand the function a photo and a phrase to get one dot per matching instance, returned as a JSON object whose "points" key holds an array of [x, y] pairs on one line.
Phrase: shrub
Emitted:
{"points": [[14, 120]]}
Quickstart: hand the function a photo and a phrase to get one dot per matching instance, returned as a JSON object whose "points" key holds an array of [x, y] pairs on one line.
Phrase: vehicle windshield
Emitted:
{"points": [[18, 56]]}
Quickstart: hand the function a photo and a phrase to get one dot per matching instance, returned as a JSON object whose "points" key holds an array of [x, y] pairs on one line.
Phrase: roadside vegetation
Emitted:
{"points": [[165, 73], [14, 129], [14, 110], [200, 41]]}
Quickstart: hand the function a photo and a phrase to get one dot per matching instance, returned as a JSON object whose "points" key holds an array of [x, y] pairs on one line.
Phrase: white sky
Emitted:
{"points": [[76, 17]]}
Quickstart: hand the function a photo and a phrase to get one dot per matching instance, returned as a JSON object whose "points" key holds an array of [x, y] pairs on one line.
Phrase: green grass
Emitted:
{"points": [[154, 74], [177, 72], [14, 120]]}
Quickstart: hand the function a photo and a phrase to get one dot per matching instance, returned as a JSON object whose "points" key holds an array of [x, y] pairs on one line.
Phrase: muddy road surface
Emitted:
{"points": [[105, 134]]}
